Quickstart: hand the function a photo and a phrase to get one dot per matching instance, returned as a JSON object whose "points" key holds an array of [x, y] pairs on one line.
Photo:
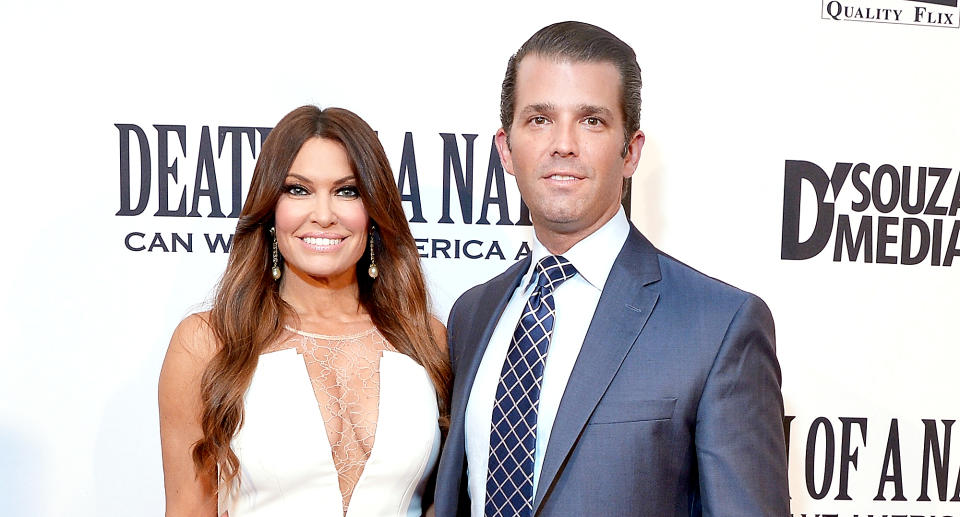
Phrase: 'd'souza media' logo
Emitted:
{"points": [[871, 213]]}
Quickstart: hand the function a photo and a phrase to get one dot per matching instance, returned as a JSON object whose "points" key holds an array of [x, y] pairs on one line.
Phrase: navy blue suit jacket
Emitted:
{"points": [[673, 407]]}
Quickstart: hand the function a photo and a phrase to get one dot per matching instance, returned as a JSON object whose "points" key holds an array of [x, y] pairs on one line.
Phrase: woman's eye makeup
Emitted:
{"points": [[296, 189], [343, 191], [348, 191]]}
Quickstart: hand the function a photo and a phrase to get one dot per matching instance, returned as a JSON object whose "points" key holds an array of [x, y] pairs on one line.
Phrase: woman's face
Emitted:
{"points": [[321, 222]]}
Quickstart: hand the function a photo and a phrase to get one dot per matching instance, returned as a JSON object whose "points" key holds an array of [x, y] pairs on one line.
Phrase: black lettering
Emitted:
{"points": [[955, 202], [463, 176], [956, 490], [829, 445], [906, 255], [861, 187], [937, 241], [908, 207], [206, 169], [126, 241], [166, 170], [888, 206], [236, 159], [891, 459], [421, 243], [126, 204], [952, 248], [848, 457], [834, 9], [440, 246], [941, 457], [466, 250], [524, 214], [884, 237], [264, 132], [839, 176], [863, 242], [932, 207], [218, 242], [408, 169], [157, 242], [187, 244], [791, 248], [494, 250], [523, 251], [495, 174]]}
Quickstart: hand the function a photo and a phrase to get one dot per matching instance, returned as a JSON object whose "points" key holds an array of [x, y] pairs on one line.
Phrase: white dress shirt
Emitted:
{"points": [[575, 300]]}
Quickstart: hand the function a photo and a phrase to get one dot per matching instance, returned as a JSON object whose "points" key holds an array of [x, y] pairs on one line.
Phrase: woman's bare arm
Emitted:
{"points": [[188, 493]]}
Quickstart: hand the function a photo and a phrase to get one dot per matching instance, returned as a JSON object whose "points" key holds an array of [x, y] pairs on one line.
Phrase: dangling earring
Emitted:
{"points": [[372, 270], [275, 270]]}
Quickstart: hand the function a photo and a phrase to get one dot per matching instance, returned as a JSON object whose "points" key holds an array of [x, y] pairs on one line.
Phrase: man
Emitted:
{"points": [[600, 376]]}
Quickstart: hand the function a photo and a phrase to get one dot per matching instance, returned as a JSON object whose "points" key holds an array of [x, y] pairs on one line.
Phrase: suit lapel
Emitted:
{"points": [[625, 305], [481, 321], [496, 294]]}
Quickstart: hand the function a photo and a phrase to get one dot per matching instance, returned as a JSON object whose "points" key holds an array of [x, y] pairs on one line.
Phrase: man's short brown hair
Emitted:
{"points": [[579, 42]]}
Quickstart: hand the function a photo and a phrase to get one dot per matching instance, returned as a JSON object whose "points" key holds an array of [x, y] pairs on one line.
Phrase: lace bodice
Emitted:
{"points": [[334, 425], [345, 374]]}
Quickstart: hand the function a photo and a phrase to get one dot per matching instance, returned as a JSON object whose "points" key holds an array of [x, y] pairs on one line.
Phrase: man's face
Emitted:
{"points": [[566, 146]]}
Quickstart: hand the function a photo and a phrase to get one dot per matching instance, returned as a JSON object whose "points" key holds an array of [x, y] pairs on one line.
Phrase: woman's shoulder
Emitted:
{"points": [[195, 336], [191, 348], [439, 333]]}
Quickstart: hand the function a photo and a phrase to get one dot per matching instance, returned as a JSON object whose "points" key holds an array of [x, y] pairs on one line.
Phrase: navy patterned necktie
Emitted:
{"points": [[513, 429]]}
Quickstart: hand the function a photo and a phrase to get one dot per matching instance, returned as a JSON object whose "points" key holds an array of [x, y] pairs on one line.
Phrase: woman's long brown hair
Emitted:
{"points": [[248, 313]]}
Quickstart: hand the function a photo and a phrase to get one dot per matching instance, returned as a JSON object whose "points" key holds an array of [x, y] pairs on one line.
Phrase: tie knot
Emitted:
{"points": [[552, 271]]}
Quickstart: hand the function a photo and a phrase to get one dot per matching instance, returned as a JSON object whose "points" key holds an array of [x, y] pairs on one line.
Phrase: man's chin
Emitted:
{"points": [[558, 216], [561, 223]]}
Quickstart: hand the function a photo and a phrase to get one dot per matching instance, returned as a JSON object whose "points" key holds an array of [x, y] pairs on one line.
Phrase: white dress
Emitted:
{"points": [[309, 446]]}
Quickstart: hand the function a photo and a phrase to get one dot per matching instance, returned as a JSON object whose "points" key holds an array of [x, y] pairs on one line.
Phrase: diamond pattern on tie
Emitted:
{"points": [[513, 428]]}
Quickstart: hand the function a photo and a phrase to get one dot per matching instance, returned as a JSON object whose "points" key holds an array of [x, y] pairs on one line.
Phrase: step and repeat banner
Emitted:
{"points": [[806, 151]]}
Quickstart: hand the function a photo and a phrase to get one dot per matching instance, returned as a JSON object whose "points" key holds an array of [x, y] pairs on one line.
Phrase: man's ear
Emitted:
{"points": [[503, 147], [632, 155]]}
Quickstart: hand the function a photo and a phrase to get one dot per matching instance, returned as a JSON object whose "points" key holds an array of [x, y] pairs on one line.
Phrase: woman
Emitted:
{"points": [[316, 382]]}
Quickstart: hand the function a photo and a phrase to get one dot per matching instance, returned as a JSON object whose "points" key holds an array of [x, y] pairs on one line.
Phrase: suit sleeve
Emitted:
{"points": [[739, 437], [453, 341]]}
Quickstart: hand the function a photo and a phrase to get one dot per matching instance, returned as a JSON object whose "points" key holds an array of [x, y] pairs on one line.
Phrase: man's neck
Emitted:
{"points": [[559, 242]]}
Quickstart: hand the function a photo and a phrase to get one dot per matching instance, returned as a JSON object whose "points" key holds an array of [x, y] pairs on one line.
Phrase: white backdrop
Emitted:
{"points": [[732, 92]]}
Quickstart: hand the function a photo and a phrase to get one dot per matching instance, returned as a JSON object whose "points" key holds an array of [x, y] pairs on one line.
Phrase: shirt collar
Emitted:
{"points": [[593, 256]]}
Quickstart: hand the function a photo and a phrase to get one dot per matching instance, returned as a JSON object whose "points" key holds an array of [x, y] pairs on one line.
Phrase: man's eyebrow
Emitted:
{"points": [[540, 107], [590, 110]]}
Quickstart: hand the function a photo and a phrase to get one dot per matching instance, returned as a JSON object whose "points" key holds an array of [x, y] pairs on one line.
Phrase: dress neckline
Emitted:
{"points": [[314, 335]]}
